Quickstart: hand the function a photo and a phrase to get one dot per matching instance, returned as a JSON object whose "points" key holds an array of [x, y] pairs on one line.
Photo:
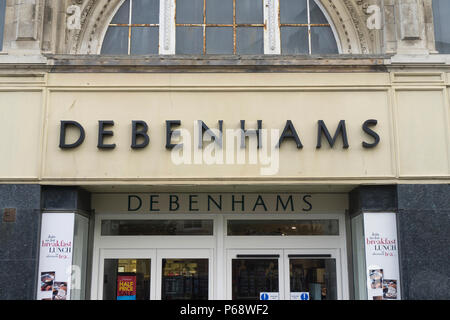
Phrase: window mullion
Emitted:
{"points": [[272, 43], [167, 26], [309, 26], [129, 26]]}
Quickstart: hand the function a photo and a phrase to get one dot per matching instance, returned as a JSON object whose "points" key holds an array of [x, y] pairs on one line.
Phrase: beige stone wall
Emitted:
{"points": [[412, 110]]}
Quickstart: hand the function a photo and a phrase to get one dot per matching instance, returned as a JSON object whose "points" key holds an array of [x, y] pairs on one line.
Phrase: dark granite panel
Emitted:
{"points": [[23, 196], [65, 198], [19, 241], [18, 279], [84, 200], [20, 238], [55, 197], [426, 197], [373, 199], [424, 240], [424, 253]]}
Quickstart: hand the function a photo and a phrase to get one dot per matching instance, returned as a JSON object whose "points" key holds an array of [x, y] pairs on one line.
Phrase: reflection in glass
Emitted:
{"points": [[145, 12], [316, 276], [250, 40], [157, 227], [189, 11], [144, 40], [322, 41], [116, 41], [219, 40], [293, 11], [189, 40], [250, 277], [126, 279], [122, 15], [2, 21], [184, 279], [441, 12], [283, 227], [219, 11], [249, 11], [294, 40], [316, 14]]}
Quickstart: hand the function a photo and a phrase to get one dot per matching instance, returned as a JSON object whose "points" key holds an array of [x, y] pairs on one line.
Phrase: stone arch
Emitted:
{"points": [[347, 17], [95, 17]]}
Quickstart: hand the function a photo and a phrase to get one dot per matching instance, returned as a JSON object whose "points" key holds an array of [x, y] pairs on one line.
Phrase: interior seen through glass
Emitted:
{"points": [[184, 279], [250, 277], [126, 279], [316, 276]]}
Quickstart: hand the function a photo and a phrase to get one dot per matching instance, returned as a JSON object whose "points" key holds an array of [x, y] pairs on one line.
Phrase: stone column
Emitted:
{"points": [[28, 22], [411, 31]]}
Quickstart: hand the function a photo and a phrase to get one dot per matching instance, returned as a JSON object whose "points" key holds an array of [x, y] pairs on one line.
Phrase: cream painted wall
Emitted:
{"points": [[413, 124], [20, 133]]}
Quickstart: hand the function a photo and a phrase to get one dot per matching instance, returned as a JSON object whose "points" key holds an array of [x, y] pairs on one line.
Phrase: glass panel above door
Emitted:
{"points": [[169, 227], [283, 227]]}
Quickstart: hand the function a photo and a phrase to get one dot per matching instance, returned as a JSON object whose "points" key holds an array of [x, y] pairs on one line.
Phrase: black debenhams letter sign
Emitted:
{"points": [[140, 136], [220, 203]]}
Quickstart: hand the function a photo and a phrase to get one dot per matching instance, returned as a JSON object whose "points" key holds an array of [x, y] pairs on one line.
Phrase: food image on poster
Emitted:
{"points": [[377, 298], [389, 289], [47, 279], [59, 290], [376, 278]]}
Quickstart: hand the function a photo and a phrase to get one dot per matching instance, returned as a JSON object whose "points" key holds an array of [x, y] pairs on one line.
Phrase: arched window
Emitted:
{"points": [[200, 27], [441, 13], [134, 29]]}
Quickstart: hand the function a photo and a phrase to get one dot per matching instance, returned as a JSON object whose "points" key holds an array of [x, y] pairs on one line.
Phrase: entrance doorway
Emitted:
{"points": [[282, 275], [159, 274], [183, 257]]}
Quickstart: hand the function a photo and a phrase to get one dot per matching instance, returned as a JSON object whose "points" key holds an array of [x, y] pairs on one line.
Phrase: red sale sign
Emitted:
{"points": [[126, 287]]}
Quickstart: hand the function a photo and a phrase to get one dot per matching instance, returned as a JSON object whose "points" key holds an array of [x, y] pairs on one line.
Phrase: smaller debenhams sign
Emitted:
{"points": [[226, 203]]}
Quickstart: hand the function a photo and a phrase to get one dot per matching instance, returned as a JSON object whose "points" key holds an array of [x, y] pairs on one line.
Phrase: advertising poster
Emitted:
{"points": [[380, 230], [126, 287], [55, 256]]}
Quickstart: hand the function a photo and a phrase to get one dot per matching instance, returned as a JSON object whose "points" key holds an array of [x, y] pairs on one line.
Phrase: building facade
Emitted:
{"points": [[232, 149]]}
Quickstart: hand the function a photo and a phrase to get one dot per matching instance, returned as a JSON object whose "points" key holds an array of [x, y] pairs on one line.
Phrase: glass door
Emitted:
{"points": [[311, 275], [284, 274], [127, 274], [255, 275], [184, 274]]}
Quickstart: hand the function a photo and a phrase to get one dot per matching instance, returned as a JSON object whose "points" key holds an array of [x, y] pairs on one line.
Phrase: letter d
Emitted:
{"points": [[62, 135]]}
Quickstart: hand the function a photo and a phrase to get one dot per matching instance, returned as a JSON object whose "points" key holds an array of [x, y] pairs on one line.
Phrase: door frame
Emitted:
{"points": [[219, 244], [186, 254], [127, 254], [128, 246], [232, 253], [335, 245], [283, 267], [334, 254]]}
